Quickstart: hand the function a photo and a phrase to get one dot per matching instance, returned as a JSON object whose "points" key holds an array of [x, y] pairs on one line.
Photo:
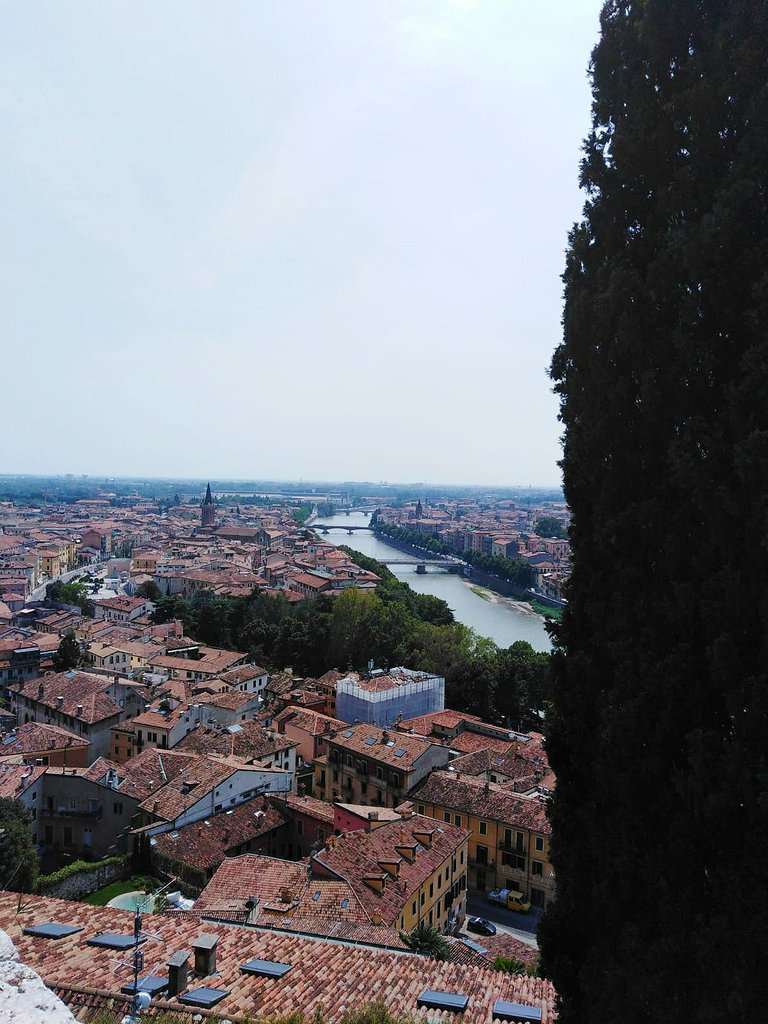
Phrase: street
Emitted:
{"points": [[522, 926], [38, 593]]}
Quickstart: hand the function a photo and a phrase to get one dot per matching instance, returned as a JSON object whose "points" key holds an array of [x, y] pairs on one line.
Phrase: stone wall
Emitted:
{"points": [[89, 879]]}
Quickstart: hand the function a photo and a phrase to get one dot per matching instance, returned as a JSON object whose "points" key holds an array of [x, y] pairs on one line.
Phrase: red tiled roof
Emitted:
{"points": [[75, 688], [384, 748], [327, 978], [354, 856], [250, 742], [36, 736], [16, 779], [204, 844], [313, 722], [483, 800]]}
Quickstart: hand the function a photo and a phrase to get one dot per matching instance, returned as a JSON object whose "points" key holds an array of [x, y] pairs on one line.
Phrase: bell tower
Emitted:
{"points": [[208, 509]]}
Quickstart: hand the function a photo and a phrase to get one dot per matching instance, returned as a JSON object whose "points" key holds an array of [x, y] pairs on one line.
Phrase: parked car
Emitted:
{"points": [[481, 926]]}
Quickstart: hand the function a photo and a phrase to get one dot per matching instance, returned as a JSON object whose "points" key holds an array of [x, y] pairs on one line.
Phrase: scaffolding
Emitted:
{"points": [[382, 698]]}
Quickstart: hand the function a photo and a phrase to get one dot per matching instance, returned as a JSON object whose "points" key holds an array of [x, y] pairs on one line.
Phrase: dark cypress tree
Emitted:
{"points": [[659, 732]]}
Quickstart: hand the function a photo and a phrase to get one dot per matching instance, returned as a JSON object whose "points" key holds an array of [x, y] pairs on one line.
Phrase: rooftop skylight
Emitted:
{"points": [[451, 1001], [266, 968], [519, 1013], [51, 931]]}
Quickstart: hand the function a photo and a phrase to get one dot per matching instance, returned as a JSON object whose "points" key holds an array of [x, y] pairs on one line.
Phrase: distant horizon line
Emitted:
{"points": [[274, 480]]}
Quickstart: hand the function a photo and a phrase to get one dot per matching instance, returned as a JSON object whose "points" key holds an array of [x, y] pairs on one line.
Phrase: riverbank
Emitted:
{"points": [[521, 607], [502, 622]]}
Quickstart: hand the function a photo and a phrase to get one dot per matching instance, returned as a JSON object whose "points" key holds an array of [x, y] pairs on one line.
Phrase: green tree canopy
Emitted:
{"points": [[149, 590], [19, 862], [550, 526], [428, 940], [68, 654], [660, 697]]}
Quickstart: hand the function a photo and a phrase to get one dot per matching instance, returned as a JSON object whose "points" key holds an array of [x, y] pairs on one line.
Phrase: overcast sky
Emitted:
{"points": [[289, 238]]}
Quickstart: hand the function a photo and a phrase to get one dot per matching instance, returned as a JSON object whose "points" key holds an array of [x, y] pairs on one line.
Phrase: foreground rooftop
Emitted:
{"points": [[325, 976]]}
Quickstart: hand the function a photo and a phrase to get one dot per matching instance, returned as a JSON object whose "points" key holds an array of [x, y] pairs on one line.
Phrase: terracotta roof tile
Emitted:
{"points": [[328, 977], [482, 799]]}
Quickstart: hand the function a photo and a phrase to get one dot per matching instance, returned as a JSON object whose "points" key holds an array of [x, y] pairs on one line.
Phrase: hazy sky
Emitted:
{"points": [[287, 238]]}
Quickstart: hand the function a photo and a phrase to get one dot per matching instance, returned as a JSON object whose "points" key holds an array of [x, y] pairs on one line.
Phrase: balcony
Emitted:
{"points": [[482, 864], [513, 848], [93, 814]]}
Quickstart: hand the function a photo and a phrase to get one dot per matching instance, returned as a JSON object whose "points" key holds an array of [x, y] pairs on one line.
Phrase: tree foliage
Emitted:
{"points": [[73, 593], [393, 626], [425, 938], [68, 654], [149, 590], [511, 569], [419, 538], [550, 526], [661, 695], [18, 855]]}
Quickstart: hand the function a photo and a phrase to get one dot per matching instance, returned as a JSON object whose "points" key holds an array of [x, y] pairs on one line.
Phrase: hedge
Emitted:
{"points": [[75, 868]]}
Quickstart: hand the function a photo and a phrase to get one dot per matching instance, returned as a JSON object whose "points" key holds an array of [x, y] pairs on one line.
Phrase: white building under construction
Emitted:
{"points": [[382, 698]]}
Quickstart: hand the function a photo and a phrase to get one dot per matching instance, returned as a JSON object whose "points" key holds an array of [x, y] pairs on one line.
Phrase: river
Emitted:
{"points": [[500, 619]]}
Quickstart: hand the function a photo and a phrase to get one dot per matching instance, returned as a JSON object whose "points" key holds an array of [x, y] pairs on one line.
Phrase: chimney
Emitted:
{"points": [[205, 954], [285, 895], [59, 703], [385, 737], [40, 691], [79, 710], [178, 969]]}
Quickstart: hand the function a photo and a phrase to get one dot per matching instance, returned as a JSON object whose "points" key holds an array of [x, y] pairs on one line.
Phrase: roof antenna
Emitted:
{"points": [[141, 1000]]}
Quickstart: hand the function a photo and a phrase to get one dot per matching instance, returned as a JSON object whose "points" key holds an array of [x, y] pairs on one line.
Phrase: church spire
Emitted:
{"points": [[208, 509]]}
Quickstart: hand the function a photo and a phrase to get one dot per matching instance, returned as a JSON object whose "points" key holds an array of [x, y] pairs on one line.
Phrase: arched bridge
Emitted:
{"points": [[325, 527]]}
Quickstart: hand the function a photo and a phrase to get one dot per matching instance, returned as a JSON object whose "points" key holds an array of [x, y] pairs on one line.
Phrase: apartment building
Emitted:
{"points": [[368, 765], [510, 833]]}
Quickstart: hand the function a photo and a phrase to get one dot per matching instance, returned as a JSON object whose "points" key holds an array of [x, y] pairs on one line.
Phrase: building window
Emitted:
{"points": [[513, 860], [457, 820], [421, 808], [537, 868], [423, 899], [67, 840], [117, 808], [447, 817], [540, 844], [483, 828], [413, 908], [300, 827], [431, 889]]}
